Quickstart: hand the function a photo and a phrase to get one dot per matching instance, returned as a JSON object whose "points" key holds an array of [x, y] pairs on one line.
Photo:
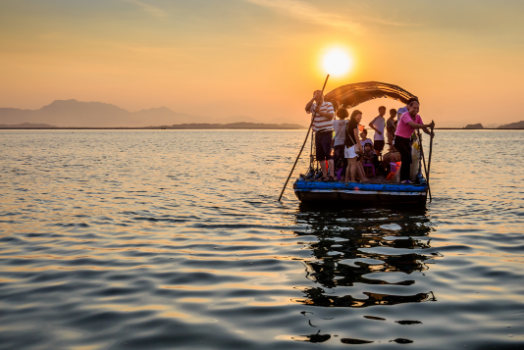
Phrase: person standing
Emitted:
{"points": [[353, 147], [340, 137], [323, 114], [378, 125], [390, 126], [407, 123]]}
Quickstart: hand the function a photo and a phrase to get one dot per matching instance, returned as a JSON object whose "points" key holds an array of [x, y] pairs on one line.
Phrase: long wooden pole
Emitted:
{"points": [[424, 161], [302, 148], [430, 151]]}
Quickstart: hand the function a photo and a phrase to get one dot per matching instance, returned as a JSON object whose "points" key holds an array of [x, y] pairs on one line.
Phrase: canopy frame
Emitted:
{"points": [[351, 95]]}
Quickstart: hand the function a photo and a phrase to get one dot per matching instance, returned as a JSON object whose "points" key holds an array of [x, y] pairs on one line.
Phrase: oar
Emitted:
{"points": [[302, 148], [430, 151], [424, 161]]}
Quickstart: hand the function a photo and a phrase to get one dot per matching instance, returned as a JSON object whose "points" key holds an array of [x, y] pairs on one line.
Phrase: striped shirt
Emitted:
{"points": [[322, 123]]}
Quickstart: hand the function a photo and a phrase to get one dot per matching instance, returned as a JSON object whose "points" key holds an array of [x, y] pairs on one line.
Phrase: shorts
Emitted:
{"points": [[379, 145], [350, 152], [323, 145]]}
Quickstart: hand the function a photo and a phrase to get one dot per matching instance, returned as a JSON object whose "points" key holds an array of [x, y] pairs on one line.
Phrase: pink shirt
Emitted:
{"points": [[403, 129]]}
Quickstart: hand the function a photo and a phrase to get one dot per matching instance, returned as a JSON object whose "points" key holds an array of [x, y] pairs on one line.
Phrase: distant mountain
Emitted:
{"points": [[517, 125], [73, 113]]}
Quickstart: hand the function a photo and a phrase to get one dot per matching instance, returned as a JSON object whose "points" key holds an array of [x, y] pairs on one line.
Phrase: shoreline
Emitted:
{"points": [[193, 128]]}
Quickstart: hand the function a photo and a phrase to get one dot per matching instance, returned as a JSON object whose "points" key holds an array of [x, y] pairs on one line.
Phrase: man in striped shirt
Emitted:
{"points": [[323, 114]]}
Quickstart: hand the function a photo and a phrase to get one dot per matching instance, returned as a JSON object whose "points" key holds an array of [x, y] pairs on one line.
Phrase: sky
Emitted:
{"points": [[262, 58]]}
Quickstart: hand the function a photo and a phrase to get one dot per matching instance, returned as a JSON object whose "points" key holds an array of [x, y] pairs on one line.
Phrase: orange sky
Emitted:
{"points": [[262, 58]]}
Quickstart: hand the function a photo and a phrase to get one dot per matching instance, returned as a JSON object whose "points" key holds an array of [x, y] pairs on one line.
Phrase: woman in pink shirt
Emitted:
{"points": [[407, 123]]}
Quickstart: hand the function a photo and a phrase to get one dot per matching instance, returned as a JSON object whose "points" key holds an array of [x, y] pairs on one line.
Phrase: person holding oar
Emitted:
{"points": [[323, 114], [407, 123]]}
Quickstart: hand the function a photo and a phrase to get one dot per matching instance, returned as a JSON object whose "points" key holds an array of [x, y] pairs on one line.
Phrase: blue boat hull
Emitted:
{"points": [[352, 192]]}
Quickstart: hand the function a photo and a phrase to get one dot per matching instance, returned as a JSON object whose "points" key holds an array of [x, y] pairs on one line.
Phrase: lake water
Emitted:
{"points": [[175, 239]]}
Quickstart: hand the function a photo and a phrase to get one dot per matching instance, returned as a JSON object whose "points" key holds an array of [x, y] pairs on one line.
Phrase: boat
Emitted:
{"points": [[378, 193], [308, 188]]}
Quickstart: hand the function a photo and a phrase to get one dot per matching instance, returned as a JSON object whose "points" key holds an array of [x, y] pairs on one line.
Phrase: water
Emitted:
{"points": [[174, 239]]}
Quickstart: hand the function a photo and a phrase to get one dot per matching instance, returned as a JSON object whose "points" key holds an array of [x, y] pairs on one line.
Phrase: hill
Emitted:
{"points": [[517, 125]]}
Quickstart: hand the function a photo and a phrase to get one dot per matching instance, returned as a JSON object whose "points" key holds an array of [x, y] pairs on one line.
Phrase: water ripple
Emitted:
{"points": [[174, 239]]}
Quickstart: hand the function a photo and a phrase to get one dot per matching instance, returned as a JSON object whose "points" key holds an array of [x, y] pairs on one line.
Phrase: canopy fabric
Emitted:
{"points": [[351, 95]]}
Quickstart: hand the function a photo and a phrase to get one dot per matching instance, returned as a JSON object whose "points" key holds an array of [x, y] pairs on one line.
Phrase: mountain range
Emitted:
{"points": [[73, 113]]}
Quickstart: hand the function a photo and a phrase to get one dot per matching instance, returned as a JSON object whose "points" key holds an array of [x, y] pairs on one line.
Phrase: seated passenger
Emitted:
{"points": [[368, 156]]}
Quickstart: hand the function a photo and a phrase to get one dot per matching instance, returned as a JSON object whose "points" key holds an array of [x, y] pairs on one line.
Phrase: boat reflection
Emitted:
{"points": [[354, 245]]}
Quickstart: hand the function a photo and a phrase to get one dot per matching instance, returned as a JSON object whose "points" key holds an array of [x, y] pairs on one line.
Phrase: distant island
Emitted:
{"points": [[241, 125], [77, 114], [474, 126]]}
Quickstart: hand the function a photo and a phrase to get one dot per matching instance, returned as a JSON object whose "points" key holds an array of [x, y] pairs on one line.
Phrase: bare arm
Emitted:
{"points": [[328, 115], [424, 127], [309, 104], [427, 131], [372, 126], [420, 126], [355, 132]]}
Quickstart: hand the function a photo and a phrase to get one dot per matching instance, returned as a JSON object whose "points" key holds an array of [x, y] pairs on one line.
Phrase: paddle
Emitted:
{"points": [[430, 151], [424, 161], [302, 148]]}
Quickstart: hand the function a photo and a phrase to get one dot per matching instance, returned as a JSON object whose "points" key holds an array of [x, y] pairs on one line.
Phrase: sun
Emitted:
{"points": [[337, 62]]}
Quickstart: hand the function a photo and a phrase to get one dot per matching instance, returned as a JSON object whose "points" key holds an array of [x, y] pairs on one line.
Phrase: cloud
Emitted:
{"points": [[154, 11], [308, 13], [393, 23]]}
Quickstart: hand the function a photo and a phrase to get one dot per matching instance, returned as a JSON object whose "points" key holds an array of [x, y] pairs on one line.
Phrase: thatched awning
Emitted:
{"points": [[351, 95]]}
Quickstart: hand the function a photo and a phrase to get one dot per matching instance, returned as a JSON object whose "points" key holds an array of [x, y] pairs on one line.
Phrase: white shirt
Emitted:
{"points": [[368, 140], [340, 131], [322, 123], [379, 123]]}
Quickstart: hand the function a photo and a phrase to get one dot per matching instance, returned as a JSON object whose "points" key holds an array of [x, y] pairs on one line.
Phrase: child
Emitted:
{"points": [[368, 156], [364, 139]]}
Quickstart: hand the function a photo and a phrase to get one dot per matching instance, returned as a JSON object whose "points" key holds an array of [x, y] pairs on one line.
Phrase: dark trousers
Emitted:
{"points": [[340, 161], [403, 145]]}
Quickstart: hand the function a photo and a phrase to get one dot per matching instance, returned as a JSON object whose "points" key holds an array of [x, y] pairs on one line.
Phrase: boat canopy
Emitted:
{"points": [[351, 95]]}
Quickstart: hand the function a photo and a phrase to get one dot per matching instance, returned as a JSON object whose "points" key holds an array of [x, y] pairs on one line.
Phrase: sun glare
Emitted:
{"points": [[337, 62]]}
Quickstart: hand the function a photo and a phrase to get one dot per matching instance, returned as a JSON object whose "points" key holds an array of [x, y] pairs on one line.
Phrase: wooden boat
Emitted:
{"points": [[378, 191], [354, 192]]}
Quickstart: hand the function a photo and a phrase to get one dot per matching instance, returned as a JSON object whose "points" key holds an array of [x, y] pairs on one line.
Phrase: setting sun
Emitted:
{"points": [[336, 62]]}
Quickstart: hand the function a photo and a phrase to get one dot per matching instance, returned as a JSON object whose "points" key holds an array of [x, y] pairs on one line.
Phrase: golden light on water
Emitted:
{"points": [[337, 62]]}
